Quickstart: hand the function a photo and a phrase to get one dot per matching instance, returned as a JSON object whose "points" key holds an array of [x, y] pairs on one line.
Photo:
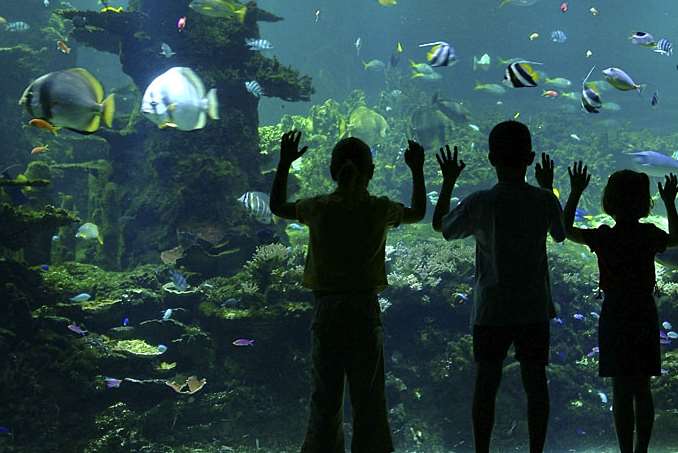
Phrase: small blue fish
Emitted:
{"points": [[296, 227], [595, 351], [672, 335], [580, 215], [558, 36], [125, 322], [254, 88], [112, 383], [167, 314], [162, 348], [558, 321], [55, 238], [166, 51], [578, 316], [82, 297], [664, 47], [603, 397], [44, 267], [258, 44], [667, 325]]}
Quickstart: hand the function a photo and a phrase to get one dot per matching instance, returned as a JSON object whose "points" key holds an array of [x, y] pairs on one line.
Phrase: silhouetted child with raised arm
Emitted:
{"points": [[628, 329], [512, 297], [345, 269]]}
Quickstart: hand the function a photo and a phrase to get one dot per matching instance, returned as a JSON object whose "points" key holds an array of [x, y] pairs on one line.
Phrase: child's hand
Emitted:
{"points": [[579, 177], [544, 172], [289, 147], [668, 192], [449, 166], [414, 155]]}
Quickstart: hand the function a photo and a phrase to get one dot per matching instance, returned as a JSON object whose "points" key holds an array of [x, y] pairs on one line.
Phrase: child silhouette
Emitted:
{"points": [[628, 332], [512, 298], [345, 269]]}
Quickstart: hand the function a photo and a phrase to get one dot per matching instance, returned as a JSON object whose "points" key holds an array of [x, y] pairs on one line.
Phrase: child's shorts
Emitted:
{"points": [[531, 342]]}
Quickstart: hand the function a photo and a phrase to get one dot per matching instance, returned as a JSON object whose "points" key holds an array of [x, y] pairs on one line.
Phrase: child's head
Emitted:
{"points": [[627, 195], [352, 165], [511, 146]]}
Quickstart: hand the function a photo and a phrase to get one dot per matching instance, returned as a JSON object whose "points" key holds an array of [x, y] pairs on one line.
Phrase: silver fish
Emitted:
{"points": [[254, 88], [257, 203]]}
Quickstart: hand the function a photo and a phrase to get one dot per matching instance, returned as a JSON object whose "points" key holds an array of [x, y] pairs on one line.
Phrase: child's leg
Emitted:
{"points": [[488, 378], [644, 413], [325, 432], [536, 388], [623, 390]]}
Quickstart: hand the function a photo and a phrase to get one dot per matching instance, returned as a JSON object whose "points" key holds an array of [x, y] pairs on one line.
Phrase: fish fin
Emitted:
{"points": [[93, 82], [504, 2], [81, 132], [417, 75], [108, 111], [213, 104], [167, 124], [93, 125], [194, 79], [431, 53], [202, 121], [240, 14]]}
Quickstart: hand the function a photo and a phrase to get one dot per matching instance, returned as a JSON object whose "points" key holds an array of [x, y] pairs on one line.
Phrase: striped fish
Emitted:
{"points": [[521, 75], [254, 88], [258, 44], [664, 47], [590, 99], [558, 36], [257, 203], [17, 27], [441, 54]]}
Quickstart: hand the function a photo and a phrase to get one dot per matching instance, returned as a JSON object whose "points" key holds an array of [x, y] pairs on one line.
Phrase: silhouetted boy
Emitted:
{"points": [[345, 270], [628, 328], [512, 297]]}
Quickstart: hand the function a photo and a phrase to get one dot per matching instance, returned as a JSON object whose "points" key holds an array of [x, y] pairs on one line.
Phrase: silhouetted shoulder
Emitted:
{"points": [[391, 211], [656, 238]]}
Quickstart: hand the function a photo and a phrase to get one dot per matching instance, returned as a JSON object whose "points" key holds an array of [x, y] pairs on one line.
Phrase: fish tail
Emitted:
{"points": [[504, 2], [417, 75], [109, 110], [100, 239], [240, 13], [213, 104]]}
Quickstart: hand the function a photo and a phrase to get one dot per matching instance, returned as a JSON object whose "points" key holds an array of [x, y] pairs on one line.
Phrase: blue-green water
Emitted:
{"points": [[168, 199]]}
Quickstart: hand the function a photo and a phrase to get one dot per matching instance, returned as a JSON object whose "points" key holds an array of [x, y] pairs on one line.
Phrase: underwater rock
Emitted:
{"points": [[174, 297], [198, 260], [138, 348], [158, 331]]}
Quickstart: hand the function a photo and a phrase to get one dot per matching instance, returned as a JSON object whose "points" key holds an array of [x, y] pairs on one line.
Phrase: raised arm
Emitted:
{"points": [[579, 180], [451, 169], [289, 152], [668, 194], [414, 158]]}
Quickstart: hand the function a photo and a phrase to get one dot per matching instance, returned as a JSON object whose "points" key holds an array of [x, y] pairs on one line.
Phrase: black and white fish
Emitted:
{"points": [[257, 203], [664, 47], [166, 51], [590, 98], [640, 38], [441, 54], [258, 44], [17, 27], [254, 88], [521, 75]]}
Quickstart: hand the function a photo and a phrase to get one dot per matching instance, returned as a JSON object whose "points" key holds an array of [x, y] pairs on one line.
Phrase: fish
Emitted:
{"points": [[112, 9], [672, 335], [125, 322], [387, 2], [588, 53], [177, 99], [433, 197], [89, 231], [374, 65], [517, 2], [427, 125], [46, 3], [40, 149], [575, 137], [590, 98], [431, 76], [483, 62], [474, 127], [178, 280], [582, 215], [578, 316], [258, 44], [655, 98], [17, 27], [296, 227], [654, 163], [571, 95], [453, 110], [667, 325], [521, 75], [71, 98], [549, 93], [564, 7], [367, 124], [112, 383], [641, 38], [595, 315], [358, 45], [220, 8], [317, 16], [166, 51], [257, 204], [181, 24], [533, 36], [559, 82], [603, 397], [620, 79], [558, 321], [44, 267], [594, 351], [167, 314], [492, 88], [395, 56], [664, 47], [82, 297], [440, 54], [243, 342], [254, 88], [558, 36], [63, 47], [73, 327], [162, 348], [593, 11], [461, 298]]}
